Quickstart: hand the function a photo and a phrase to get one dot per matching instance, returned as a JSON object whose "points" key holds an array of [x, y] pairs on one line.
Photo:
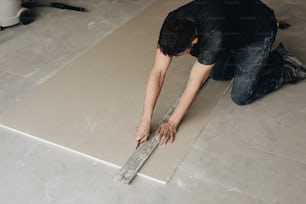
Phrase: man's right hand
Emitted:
{"points": [[142, 130]]}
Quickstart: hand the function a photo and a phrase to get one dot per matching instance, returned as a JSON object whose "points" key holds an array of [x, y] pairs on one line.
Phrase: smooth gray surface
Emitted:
{"points": [[251, 155]]}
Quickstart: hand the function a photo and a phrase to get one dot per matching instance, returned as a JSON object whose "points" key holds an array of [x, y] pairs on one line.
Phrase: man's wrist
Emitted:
{"points": [[146, 118], [173, 122]]}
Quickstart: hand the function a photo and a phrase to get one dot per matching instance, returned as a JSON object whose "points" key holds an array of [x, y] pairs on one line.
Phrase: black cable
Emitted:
{"points": [[31, 4]]}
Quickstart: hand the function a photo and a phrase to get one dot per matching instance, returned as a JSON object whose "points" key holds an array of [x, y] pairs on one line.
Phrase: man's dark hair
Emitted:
{"points": [[176, 35]]}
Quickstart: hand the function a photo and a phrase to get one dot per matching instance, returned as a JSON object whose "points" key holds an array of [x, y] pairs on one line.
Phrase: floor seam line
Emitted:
{"points": [[275, 154]]}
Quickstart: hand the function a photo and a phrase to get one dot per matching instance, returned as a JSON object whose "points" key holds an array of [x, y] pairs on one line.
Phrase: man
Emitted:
{"points": [[230, 39]]}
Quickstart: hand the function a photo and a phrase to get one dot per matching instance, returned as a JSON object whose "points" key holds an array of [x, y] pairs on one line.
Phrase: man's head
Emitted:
{"points": [[177, 36]]}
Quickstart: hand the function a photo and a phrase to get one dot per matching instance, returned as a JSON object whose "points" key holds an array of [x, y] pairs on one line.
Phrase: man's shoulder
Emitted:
{"points": [[198, 9]]}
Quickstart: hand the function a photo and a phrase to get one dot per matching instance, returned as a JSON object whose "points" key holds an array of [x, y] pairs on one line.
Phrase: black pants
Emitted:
{"points": [[254, 72]]}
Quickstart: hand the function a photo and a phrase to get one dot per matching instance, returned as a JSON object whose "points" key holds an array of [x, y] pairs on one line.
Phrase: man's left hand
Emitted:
{"points": [[166, 132]]}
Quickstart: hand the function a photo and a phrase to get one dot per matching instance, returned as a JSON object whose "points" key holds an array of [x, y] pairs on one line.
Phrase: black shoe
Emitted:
{"points": [[296, 69], [282, 25]]}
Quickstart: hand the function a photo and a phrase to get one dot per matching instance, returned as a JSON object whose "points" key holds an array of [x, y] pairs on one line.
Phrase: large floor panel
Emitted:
{"points": [[93, 104]]}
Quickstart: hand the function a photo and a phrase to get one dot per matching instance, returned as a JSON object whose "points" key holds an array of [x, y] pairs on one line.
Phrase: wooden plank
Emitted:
{"points": [[134, 163], [130, 169]]}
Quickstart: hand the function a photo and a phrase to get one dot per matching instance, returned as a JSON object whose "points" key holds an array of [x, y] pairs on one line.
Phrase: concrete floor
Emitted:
{"points": [[254, 154]]}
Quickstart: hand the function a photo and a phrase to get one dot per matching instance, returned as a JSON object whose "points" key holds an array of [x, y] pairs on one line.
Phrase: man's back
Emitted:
{"points": [[239, 20]]}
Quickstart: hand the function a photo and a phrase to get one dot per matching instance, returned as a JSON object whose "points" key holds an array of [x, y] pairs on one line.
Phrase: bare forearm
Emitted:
{"points": [[185, 102], [197, 76], [154, 85]]}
